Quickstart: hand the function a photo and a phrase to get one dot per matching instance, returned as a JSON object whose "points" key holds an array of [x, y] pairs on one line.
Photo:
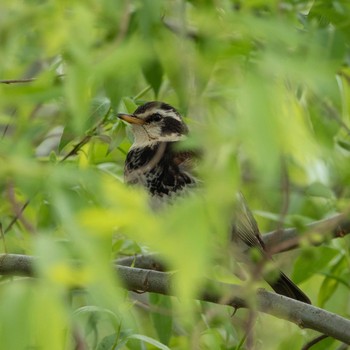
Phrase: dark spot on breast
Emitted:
{"points": [[139, 157], [164, 176]]}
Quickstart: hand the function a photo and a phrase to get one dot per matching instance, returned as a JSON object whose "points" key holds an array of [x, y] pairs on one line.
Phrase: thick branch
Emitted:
{"points": [[151, 261], [304, 315], [16, 264]]}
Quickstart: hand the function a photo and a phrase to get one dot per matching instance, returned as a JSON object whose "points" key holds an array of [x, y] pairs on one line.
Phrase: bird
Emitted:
{"points": [[155, 162]]}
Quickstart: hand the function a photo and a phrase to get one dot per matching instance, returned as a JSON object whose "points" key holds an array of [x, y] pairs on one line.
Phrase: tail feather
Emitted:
{"points": [[245, 232], [284, 286]]}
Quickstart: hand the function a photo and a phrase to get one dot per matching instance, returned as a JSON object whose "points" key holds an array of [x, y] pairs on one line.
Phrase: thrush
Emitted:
{"points": [[155, 162]]}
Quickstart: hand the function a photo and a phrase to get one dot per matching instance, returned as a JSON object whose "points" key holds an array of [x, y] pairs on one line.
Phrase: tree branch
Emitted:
{"points": [[23, 80], [276, 241], [287, 239], [16, 264], [303, 315], [17, 81]]}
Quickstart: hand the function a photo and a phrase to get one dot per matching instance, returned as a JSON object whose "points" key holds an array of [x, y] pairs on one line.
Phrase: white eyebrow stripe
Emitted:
{"points": [[164, 113], [147, 113]]}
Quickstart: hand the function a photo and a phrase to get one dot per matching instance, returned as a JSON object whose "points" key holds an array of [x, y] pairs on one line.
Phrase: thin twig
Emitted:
{"points": [[249, 333], [23, 80], [5, 130], [17, 216], [314, 341], [17, 81], [18, 208], [176, 28], [142, 92], [80, 343], [76, 148], [3, 238], [124, 23]]}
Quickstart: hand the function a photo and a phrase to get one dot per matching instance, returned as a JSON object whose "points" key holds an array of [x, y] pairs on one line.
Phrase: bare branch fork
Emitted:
{"points": [[304, 315]]}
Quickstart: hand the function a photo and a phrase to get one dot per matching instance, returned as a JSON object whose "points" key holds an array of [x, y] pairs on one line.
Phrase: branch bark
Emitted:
{"points": [[275, 242], [17, 81], [304, 315], [287, 239], [17, 265]]}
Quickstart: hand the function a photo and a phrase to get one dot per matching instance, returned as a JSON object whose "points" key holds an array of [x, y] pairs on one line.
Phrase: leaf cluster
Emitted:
{"points": [[264, 87]]}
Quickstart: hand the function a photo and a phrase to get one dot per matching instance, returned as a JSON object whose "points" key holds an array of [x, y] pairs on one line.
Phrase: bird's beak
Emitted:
{"points": [[131, 119]]}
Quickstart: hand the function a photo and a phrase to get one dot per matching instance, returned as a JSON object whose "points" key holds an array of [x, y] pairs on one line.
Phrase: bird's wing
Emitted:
{"points": [[185, 160], [245, 227]]}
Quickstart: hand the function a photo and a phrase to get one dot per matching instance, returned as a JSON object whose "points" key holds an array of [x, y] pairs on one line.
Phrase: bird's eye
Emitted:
{"points": [[156, 117]]}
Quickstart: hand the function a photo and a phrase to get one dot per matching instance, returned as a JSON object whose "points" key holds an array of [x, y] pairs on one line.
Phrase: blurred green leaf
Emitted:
{"points": [[153, 73], [109, 342], [162, 316], [312, 261], [320, 190], [344, 144], [148, 340], [331, 281], [117, 136], [99, 110], [264, 87], [334, 12], [95, 309]]}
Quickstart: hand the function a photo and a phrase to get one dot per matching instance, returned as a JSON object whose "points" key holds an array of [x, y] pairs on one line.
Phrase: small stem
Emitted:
{"points": [[3, 238], [143, 92], [17, 81]]}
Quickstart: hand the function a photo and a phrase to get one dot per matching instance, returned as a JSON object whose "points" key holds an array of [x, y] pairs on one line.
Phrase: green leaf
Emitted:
{"points": [[129, 104], [328, 287], [98, 110], [153, 73], [91, 309], [334, 12], [162, 316], [118, 135], [148, 340], [126, 247], [344, 144], [67, 137], [53, 157], [312, 261], [318, 189], [212, 339], [108, 343], [332, 280]]}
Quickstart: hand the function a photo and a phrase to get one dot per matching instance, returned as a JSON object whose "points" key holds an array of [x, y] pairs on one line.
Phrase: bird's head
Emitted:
{"points": [[155, 122]]}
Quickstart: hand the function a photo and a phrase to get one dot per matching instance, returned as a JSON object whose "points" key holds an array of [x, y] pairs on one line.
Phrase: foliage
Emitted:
{"points": [[264, 87]]}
